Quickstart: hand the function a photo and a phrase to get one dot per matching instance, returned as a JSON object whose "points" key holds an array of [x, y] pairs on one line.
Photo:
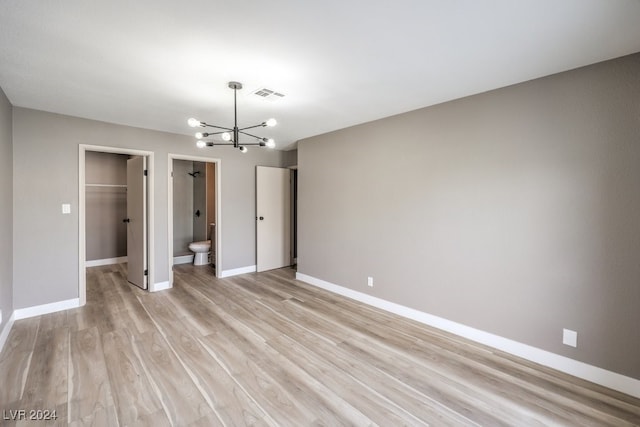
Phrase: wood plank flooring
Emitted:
{"points": [[266, 350]]}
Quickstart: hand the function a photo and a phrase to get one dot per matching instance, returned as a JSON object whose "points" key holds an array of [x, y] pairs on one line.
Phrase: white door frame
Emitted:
{"points": [[218, 233], [82, 149]]}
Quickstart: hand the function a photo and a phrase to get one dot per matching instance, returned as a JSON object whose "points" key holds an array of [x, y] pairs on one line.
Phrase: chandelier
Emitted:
{"points": [[231, 136]]}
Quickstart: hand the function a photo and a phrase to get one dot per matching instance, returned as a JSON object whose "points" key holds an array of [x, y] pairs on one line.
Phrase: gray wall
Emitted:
{"points": [[6, 210], [290, 158], [516, 211], [105, 168], [46, 175], [182, 207], [106, 207]]}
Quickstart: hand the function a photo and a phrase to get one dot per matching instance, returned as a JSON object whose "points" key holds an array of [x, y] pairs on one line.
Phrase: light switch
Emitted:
{"points": [[66, 208], [569, 337]]}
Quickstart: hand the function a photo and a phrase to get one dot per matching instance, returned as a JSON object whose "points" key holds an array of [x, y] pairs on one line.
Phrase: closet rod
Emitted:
{"points": [[107, 185]]}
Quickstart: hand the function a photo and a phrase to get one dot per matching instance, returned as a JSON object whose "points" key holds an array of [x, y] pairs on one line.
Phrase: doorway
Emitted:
{"points": [[194, 210], [136, 218], [194, 213]]}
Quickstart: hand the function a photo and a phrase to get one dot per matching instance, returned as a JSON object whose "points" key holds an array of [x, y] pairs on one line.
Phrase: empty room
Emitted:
{"points": [[289, 213]]}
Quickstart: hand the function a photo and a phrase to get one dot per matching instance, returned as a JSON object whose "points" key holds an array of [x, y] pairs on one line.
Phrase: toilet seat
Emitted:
{"points": [[201, 252], [202, 246]]}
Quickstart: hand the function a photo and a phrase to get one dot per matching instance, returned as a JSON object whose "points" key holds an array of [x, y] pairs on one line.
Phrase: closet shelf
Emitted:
{"points": [[107, 185]]}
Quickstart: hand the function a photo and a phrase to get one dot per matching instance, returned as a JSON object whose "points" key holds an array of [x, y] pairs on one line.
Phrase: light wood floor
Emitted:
{"points": [[264, 349]]}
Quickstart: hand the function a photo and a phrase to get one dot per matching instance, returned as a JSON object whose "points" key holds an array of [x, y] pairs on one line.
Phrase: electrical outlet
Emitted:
{"points": [[569, 337], [370, 281], [66, 208]]}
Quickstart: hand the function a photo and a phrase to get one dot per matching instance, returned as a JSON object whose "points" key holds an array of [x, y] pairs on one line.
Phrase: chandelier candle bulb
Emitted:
{"points": [[193, 122]]}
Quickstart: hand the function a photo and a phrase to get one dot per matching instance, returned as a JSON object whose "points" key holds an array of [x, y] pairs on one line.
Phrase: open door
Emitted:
{"points": [[137, 221], [273, 216]]}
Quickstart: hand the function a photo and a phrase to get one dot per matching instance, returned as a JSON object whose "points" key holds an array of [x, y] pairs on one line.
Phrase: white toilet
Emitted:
{"points": [[201, 251]]}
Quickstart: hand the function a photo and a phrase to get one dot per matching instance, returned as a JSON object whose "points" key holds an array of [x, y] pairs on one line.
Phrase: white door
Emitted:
{"points": [[273, 216], [137, 221]]}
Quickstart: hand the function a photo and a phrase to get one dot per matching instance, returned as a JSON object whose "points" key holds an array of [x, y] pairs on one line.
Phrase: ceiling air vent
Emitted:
{"points": [[268, 94]]}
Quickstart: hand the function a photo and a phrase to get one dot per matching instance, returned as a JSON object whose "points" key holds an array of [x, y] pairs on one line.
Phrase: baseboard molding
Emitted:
{"points": [[4, 334], [38, 310], [237, 271], [106, 261], [624, 384], [160, 286], [183, 259]]}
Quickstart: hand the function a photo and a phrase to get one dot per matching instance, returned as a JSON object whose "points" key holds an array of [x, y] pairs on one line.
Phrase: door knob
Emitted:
{"points": [[127, 220], [261, 218]]}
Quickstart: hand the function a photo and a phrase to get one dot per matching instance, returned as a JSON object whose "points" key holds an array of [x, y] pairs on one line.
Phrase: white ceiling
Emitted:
{"points": [[153, 64]]}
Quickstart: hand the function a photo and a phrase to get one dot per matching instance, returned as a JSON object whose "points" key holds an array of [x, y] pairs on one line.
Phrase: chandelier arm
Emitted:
{"points": [[218, 127], [215, 133], [213, 144], [251, 127], [253, 136]]}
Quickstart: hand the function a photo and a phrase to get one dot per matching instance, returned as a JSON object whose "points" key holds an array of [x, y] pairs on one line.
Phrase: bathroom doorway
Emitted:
{"points": [[115, 212], [194, 212]]}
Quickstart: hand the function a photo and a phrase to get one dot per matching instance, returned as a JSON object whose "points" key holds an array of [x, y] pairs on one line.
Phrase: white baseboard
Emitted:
{"points": [[5, 330], [564, 364], [160, 286], [106, 261], [38, 310], [183, 259], [237, 271]]}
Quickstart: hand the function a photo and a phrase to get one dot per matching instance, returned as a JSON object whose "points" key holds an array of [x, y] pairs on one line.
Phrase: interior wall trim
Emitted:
{"points": [[160, 286], [624, 384], [237, 271], [105, 261], [6, 330], [38, 310], [182, 259]]}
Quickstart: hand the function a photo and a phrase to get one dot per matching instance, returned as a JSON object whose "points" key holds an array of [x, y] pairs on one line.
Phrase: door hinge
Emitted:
{"points": [[145, 172], [146, 272]]}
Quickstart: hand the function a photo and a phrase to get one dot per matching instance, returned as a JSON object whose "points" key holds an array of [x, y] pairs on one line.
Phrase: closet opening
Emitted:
{"points": [[115, 213]]}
